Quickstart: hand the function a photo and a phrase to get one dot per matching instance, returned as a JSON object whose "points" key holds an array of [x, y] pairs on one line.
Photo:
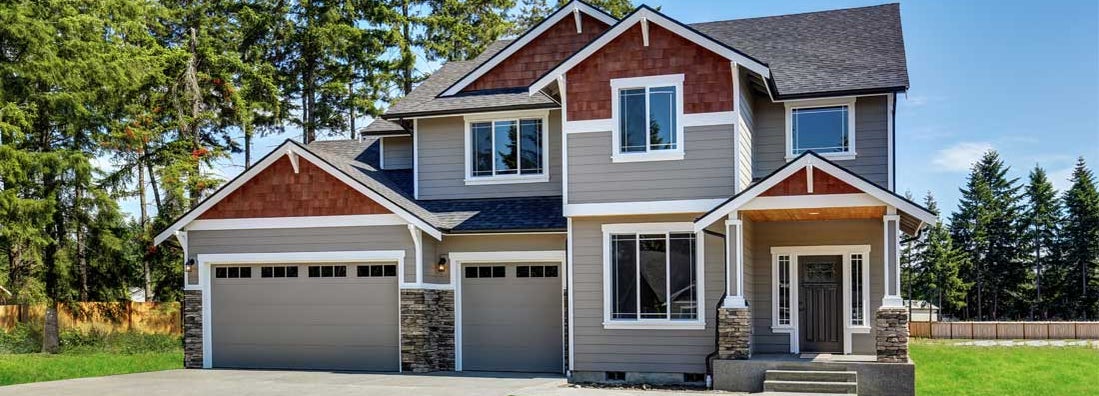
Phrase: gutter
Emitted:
{"points": [[476, 110]]}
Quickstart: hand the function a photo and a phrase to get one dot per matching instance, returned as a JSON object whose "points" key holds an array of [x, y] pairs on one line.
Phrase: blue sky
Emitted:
{"points": [[1019, 77]]}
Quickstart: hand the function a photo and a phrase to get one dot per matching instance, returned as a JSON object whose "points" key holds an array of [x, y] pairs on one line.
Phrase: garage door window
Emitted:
{"points": [[327, 271], [278, 272], [232, 272], [536, 271], [374, 271], [495, 271]]}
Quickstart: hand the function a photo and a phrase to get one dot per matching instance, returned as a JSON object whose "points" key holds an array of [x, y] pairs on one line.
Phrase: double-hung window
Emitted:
{"points": [[647, 115], [507, 149], [825, 127], [653, 277]]}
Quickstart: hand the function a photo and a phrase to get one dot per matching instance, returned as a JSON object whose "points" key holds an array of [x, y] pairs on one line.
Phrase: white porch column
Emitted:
{"points": [[734, 263], [892, 260]]}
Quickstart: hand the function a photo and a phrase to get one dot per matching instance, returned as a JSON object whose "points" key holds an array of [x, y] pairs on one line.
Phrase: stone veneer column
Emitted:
{"points": [[427, 330], [192, 329], [891, 328], [734, 333]]}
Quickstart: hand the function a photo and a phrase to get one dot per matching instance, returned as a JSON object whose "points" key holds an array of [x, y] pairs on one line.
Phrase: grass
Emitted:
{"points": [[945, 369], [35, 367]]}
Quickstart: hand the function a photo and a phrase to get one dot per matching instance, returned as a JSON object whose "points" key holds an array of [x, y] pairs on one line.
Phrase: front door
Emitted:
{"points": [[819, 303]]}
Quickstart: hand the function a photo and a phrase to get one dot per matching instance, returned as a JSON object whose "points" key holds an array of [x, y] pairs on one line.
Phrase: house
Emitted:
{"points": [[922, 311], [634, 199]]}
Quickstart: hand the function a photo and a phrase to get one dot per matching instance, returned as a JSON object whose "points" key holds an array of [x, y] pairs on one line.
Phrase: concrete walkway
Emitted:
{"points": [[276, 383]]}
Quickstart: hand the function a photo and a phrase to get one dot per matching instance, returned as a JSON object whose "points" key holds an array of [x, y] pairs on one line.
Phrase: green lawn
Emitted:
{"points": [[35, 367], [944, 369]]}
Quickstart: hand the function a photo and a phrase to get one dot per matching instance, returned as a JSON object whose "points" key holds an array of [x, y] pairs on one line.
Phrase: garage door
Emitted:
{"points": [[511, 317], [306, 316]]}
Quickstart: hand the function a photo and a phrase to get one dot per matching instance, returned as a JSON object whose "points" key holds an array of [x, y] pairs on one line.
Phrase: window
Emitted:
{"points": [[536, 271], [826, 127], [279, 272], [377, 270], [647, 112], [784, 268], [507, 149], [653, 276], [495, 271], [232, 272], [858, 306], [327, 271]]}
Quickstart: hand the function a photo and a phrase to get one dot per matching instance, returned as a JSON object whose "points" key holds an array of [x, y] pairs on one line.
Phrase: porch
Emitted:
{"points": [[861, 374]]}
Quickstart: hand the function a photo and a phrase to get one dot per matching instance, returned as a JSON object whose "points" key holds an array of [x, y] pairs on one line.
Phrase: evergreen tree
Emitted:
{"points": [[1081, 244], [911, 267], [1041, 216], [988, 229], [942, 262], [531, 12], [457, 30]]}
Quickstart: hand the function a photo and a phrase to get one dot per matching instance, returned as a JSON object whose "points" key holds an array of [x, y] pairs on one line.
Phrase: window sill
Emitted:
{"points": [[859, 329], [653, 325], [782, 329], [831, 156], [669, 155], [509, 179]]}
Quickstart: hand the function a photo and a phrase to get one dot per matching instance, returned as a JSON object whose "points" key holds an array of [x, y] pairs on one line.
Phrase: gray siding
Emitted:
{"points": [[442, 163], [707, 170], [328, 239], [766, 235], [653, 351], [745, 128], [482, 243], [871, 139], [397, 152]]}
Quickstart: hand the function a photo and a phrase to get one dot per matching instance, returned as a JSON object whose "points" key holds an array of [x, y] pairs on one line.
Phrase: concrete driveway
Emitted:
{"points": [[275, 383]]}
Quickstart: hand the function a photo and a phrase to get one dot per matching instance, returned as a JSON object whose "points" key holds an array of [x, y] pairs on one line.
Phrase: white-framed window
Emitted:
{"points": [[858, 280], [653, 276], [647, 118], [824, 126], [506, 148], [783, 292]]}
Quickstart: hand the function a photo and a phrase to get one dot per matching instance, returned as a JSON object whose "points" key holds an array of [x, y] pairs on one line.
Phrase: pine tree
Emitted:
{"points": [[1081, 243], [942, 262], [457, 30], [911, 266], [1041, 216]]}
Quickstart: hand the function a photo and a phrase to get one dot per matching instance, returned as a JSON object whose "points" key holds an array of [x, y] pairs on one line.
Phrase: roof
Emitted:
{"points": [[383, 127], [453, 215], [828, 52], [424, 100]]}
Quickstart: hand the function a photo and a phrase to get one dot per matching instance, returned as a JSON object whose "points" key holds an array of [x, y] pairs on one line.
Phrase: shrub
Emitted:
{"points": [[118, 342], [23, 338]]}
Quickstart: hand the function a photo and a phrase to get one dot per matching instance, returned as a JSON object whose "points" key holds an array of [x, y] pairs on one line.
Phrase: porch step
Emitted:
{"points": [[810, 386], [812, 375]]}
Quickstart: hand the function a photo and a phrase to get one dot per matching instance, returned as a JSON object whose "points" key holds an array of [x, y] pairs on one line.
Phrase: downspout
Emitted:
{"points": [[710, 357]]}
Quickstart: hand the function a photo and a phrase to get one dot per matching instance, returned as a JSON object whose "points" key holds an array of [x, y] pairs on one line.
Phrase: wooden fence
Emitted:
{"points": [[146, 317], [1006, 330]]}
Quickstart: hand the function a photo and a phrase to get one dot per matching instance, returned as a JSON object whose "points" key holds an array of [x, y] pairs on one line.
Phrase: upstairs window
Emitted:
{"points": [[825, 127], [503, 150], [647, 112]]}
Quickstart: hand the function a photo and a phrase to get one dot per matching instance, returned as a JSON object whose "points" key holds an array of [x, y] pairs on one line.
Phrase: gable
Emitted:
{"points": [[278, 191], [707, 85], [540, 54], [798, 183]]}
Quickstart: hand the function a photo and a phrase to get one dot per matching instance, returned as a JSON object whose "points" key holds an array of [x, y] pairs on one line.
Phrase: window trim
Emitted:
{"points": [[617, 84], [516, 116], [698, 323], [849, 102]]}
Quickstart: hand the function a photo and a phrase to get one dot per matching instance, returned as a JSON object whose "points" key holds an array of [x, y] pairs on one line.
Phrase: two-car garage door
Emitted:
{"points": [[323, 316]]}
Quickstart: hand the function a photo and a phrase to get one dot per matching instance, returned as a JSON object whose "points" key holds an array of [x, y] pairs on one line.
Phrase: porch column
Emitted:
{"points": [[734, 263], [892, 260]]}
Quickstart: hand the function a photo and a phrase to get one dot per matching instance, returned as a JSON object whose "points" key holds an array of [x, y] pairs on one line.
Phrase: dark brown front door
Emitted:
{"points": [[819, 303]]}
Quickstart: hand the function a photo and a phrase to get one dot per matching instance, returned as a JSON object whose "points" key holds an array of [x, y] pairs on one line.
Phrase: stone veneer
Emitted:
{"points": [[734, 333], [192, 328], [427, 330], [891, 334]]}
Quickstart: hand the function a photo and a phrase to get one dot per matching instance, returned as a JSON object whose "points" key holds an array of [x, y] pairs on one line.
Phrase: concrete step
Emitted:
{"points": [[812, 375], [810, 386]]}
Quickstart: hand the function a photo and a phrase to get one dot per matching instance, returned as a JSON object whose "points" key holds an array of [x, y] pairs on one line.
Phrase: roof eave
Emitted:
{"points": [[437, 113]]}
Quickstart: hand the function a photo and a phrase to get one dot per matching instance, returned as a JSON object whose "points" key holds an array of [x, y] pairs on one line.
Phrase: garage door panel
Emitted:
{"points": [[511, 323], [308, 357], [283, 334]]}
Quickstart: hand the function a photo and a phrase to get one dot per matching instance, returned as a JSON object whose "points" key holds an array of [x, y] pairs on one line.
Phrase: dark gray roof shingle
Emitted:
{"points": [[451, 215], [847, 50], [383, 127]]}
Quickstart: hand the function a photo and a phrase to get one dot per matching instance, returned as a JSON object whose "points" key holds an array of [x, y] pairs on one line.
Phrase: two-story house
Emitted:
{"points": [[634, 199]]}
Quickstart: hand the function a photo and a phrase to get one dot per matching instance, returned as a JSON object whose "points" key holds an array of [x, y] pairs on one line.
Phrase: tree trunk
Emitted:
{"points": [[248, 145], [195, 94], [51, 336], [351, 108], [144, 223]]}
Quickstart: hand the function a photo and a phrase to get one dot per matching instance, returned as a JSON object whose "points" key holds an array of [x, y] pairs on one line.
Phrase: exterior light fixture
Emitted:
{"points": [[441, 266], [814, 213], [190, 265]]}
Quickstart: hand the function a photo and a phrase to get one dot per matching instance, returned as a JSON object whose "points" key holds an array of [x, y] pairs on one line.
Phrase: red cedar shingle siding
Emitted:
{"points": [[707, 85], [278, 192], [823, 183], [541, 54]]}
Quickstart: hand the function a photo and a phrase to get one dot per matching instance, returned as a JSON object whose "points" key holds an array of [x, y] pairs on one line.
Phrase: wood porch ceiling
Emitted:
{"points": [[813, 214]]}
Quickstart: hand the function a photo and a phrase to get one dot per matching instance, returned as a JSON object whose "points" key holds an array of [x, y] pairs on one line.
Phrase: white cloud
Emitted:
{"points": [[959, 157]]}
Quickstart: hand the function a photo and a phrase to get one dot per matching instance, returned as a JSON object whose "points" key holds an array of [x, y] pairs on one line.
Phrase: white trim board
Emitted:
{"points": [[648, 15], [642, 207], [458, 259], [295, 222], [293, 149], [573, 8], [206, 262]]}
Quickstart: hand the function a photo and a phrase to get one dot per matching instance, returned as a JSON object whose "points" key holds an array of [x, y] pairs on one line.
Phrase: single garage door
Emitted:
{"points": [[307, 316], [511, 317]]}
